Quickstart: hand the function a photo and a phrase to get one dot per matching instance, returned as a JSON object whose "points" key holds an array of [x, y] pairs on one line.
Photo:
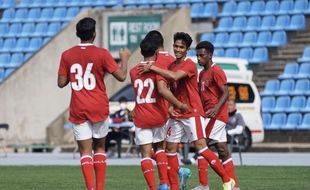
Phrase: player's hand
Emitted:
{"points": [[184, 108], [145, 67], [172, 112], [124, 54], [130, 116], [211, 112]]}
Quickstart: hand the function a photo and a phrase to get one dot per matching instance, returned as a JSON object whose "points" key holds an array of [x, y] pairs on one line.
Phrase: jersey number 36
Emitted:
{"points": [[85, 80]]}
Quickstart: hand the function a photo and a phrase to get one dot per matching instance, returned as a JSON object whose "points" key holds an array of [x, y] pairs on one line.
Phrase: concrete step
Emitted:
{"points": [[280, 147]]}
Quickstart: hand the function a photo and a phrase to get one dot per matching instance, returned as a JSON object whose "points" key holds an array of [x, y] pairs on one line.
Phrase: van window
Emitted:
{"points": [[242, 93]]}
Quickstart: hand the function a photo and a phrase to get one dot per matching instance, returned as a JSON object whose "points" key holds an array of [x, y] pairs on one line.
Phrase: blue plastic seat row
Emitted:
{"points": [[14, 60], [305, 56], [258, 23], [281, 121], [68, 3], [21, 45], [261, 7], [39, 15], [200, 10], [4, 4], [285, 104]]}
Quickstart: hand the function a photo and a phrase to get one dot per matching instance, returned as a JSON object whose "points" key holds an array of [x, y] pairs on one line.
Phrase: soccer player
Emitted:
{"points": [[84, 66], [214, 96], [187, 126], [151, 114]]}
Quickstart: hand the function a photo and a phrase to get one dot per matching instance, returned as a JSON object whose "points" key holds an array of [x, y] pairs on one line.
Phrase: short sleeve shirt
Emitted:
{"points": [[85, 65]]}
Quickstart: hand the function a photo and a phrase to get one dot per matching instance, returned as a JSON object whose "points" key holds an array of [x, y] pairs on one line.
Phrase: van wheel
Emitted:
{"points": [[245, 141]]}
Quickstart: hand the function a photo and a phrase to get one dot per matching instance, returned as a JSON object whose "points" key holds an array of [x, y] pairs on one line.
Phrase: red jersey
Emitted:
{"points": [[85, 66], [186, 89], [164, 59], [151, 109], [210, 82]]}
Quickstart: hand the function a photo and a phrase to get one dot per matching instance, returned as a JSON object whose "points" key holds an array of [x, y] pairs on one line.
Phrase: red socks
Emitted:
{"points": [[215, 163], [203, 171], [100, 168], [162, 164], [230, 170], [148, 172], [87, 169], [173, 169]]}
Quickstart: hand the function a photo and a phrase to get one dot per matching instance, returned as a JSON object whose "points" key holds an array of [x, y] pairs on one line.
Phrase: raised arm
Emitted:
{"points": [[121, 73]]}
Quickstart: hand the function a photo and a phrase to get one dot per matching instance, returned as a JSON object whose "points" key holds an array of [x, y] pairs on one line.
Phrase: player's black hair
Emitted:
{"points": [[205, 45], [183, 36], [155, 37], [148, 49], [122, 99], [85, 28]]}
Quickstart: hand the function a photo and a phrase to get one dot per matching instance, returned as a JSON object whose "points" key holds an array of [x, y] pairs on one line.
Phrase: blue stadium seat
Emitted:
{"points": [[21, 45], [267, 23], [277, 122], [1, 74], [239, 24], [33, 15], [170, 1], [25, 4], [305, 124], [225, 24], [50, 3], [28, 55], [7, 4], [71, 13], [8, 72], [207, 37], [297, 103], [298, 22], [282, 22], [257, 7], [253, 23], [15, 29], [220, 39], [306, 55], [1, 43], [16, 60], [8, 15], [271, 7], [210, 10], [46, 40], [235, 38], [228, 8], [290, 70], [249, 39], [307, 106], [191, 53], [40, 29], [8, 45], [300, 7], [27, 30], [279, 38], [286, 86], [4, 29], [53, 28], [197, 10], [46, 14], [263, 39], [268, 103], [20, 15], [246, 53], [59, 14], [219, 52], [301, 87], [260, 56], [271, 87], [293, 120], [108, 3], [232, 52], [130, 2], [4, 59], [243, 8], [266, 119], [34, 44], [286, 6], [304, 71]]}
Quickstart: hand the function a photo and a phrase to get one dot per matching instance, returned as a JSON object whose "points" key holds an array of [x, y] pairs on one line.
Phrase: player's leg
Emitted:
{"points": [[144, 138], [100, 131], [83, 135]]}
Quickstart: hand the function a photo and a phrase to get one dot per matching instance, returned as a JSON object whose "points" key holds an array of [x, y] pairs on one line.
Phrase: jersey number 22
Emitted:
{"points": [[140, 85]]}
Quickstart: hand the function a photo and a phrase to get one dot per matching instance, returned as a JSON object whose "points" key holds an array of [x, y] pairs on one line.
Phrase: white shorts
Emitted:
{"points": [[88, 130], [150, 135], [185, 130], [215, 130]]}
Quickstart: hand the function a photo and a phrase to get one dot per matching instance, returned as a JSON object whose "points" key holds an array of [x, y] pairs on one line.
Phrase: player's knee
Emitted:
{"points": [[223, 152]]}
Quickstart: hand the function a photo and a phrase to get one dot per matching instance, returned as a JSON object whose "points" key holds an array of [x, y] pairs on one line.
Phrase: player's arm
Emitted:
{"points": [[62, 81], [163, 72], [212, 112], [167, 94], [121, 73]]}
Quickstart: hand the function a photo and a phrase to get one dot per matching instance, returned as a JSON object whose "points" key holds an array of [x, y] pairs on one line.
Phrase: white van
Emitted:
{"points": [[240, 86]]}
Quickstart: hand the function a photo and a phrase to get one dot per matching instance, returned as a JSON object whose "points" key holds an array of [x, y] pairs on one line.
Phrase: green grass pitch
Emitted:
{"points": [[130, 178]]}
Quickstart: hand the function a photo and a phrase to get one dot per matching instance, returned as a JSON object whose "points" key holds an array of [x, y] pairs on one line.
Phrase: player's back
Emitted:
{"points": [[151, 108], [164, 59]]}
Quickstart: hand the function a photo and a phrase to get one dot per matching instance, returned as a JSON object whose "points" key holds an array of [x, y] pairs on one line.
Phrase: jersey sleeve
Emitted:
{"points": [[189, 68], [220, 77], [63, 68], [109, 63]]}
